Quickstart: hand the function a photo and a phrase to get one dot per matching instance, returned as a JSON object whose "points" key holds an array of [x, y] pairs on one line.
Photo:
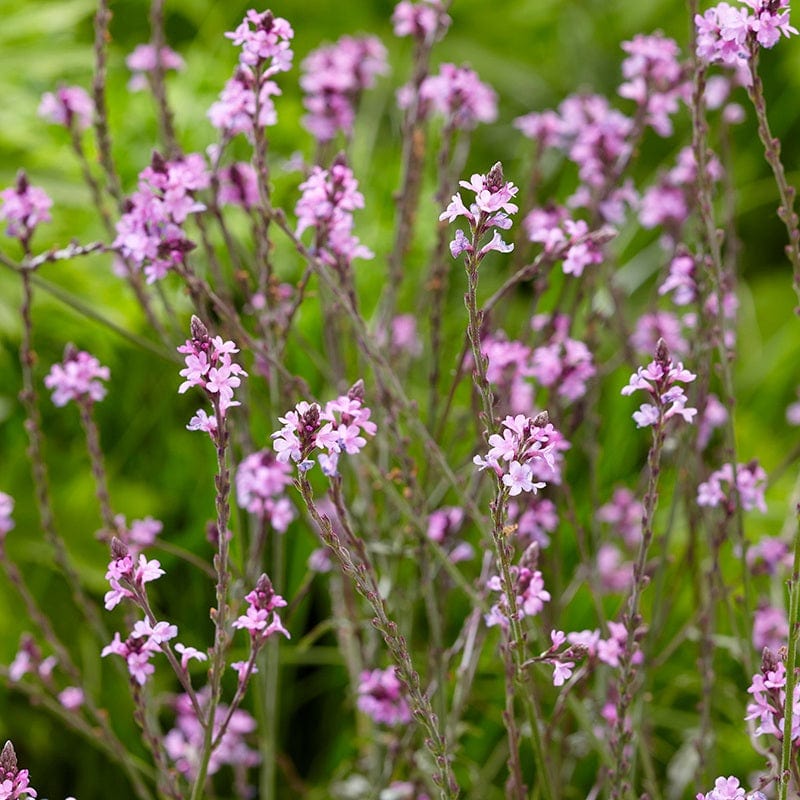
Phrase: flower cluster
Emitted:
{"points": [[565, 238], [14, 782], [751, 481], [457, 94], [238, 186], [261, 618], [126, 577], [729, 789], [29, 660], [535, 520], [139, 534], [149, 233], [623, 514], [380, 695], [491, 209], [185, 742], [660, 379], [326, 205], [561, 659], [564, 363], [769, 698], [443, 525], [24, 207], [143, 643], [209, 365], [426, 20], [730, 34], [655, 79], [336, 429], [145, 60], [246, 102], [528, 588], [514, 453], [69, 106], [606, 651], [770, 628], [333, 79], [77, 378], [260, 483], [6, 523]]}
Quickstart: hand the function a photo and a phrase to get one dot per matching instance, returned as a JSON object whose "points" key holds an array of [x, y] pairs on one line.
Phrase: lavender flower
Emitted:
{"points": [[145, 59], [426, 20], [260, 483], [77, 378], [210, 366], [6, 523], [14, 782], [24, 208], [660, 380], [333, 79], [261, 618], [69, 106], [380, 695], [458, 95], [751, 481]]}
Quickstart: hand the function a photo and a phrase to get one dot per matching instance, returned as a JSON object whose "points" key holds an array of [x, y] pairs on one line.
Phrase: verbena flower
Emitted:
{"points": [[24, 208], [30, 660], [336, 429], [751, 482], [380, 695], [334, 76], [69, 106], [78, 377], [326, 206], [143, 643], [769, 697], [149, 233], [661, 379], [260, 483], [490, 209], [210, 366], [14, 782], [261, 618], [514, 452], [185, 742], [264, 39], [6, 522], [127, 576], [728, 789], [426, 20], [144, 59]]}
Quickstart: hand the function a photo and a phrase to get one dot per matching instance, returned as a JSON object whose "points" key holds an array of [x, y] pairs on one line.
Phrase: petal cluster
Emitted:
{"points": [[78, 377]]}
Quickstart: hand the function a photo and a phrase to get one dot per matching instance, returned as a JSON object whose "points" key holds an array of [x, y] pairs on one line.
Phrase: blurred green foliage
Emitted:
{"points": [[534, 52]]}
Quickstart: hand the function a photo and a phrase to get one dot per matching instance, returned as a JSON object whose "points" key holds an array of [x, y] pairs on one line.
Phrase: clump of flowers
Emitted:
{"points": [[29, 659], [14, 782], [661, 379], [326, 205], [333, 79], [769, 697], [261, 617], [69, 106], [126, 577], [513, 454], [149, 233], [209, 365], [426, 20], [728, 789], [260, 483], [145, 60], [336, 429], [528, 589], [563, 363], [245, 104], [24, 208], [491, 209], [78, 377], [750, 482], [443, 525], [144, 642], [380, 695], [184, 744], [731, 34]]}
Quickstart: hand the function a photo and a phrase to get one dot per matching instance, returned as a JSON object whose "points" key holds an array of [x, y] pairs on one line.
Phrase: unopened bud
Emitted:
{"points": [[118, 548], [8, 759], [198, 329]]}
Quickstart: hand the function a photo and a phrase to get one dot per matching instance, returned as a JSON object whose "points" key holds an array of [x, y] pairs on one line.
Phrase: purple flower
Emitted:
{"points": [[238, 186], [209, 366], [261, 618], [68, 106], [726, 789], [188, 653], [333, 79], [14, 782], [24, 207], [326, 205], [380, 696], [6, 523], [458, 94], [144, 59], [264, 37], [71, 698], [426, 20], [77, 378], [528, 587], [260, 483], [751, 482], [660, 380]]}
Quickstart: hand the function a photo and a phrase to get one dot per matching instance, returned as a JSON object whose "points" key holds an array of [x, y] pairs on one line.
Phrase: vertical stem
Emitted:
{"points": [[791, 669], [98, 467]]}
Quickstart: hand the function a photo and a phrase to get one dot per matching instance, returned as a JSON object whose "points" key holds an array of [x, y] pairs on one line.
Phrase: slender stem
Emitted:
{"points": [[98, 465], [787, 746]]}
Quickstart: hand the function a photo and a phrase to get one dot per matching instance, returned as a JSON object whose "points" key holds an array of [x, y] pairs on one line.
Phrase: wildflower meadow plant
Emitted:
{"points": [[497, 496]]}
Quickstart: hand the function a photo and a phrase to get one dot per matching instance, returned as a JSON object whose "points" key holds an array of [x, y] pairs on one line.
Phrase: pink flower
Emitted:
{"points": [[144, 59], [264, 38], [24, 208], [187, 654], [425, 20], [6, 523], [380, 696], [77, 378], [71, 698], [68, 106], [751, 482], [261, 618]]}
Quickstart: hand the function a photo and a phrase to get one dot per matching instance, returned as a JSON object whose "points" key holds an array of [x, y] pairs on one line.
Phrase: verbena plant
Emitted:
{"points": [[422, 498]]}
